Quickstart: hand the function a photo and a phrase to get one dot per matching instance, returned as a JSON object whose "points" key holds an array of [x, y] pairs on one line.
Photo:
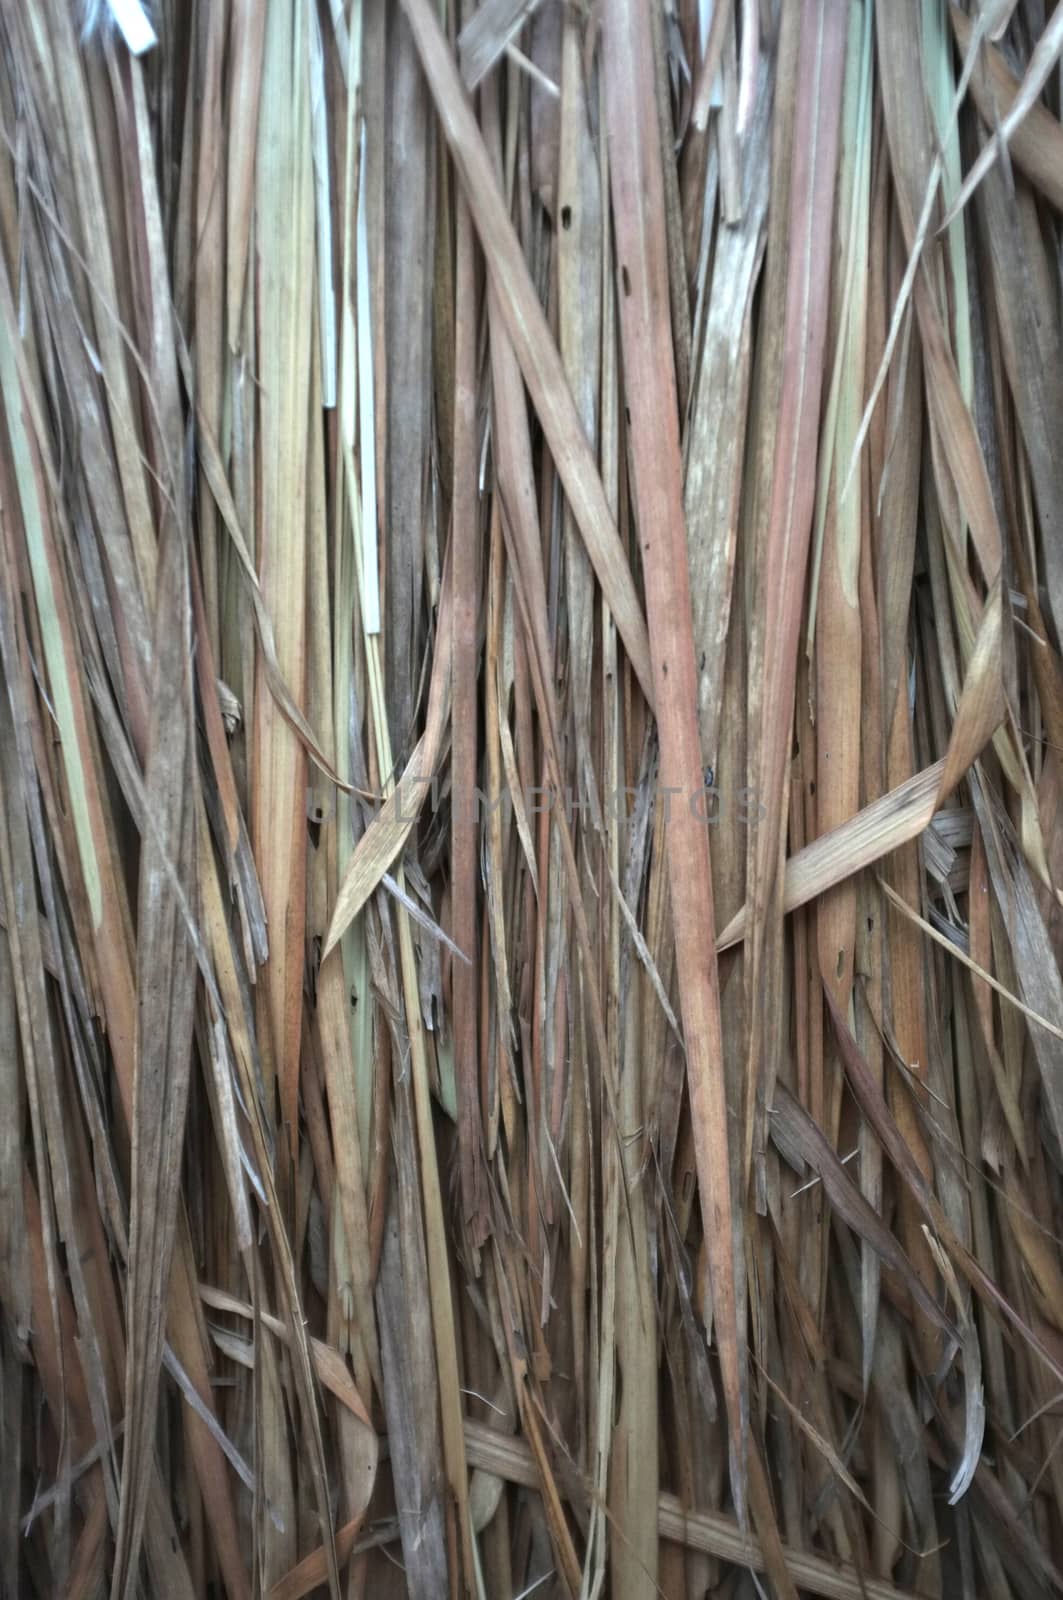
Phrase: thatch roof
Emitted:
{"points": [[531, 580]]}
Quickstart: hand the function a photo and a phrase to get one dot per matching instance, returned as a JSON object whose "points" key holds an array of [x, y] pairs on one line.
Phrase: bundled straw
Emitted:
{"points": [[531, 589]]}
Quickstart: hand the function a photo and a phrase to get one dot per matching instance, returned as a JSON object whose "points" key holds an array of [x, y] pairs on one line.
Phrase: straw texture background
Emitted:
{"points": [[531, 721]]}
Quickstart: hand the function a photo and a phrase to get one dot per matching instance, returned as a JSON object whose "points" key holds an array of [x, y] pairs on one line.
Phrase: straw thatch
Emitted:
{"points": [[531, 588]]}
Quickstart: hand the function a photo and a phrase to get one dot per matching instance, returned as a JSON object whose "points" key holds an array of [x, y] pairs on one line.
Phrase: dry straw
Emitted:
{"points": [[531, 589]]}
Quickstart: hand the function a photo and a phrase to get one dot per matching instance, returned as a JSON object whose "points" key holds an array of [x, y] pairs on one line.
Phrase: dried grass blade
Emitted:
{"points": [[638, 208], [1043, 59], [489, 31], [784, 552], [166, 977], [284, 235], [1036, 143], [905, 811]]}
